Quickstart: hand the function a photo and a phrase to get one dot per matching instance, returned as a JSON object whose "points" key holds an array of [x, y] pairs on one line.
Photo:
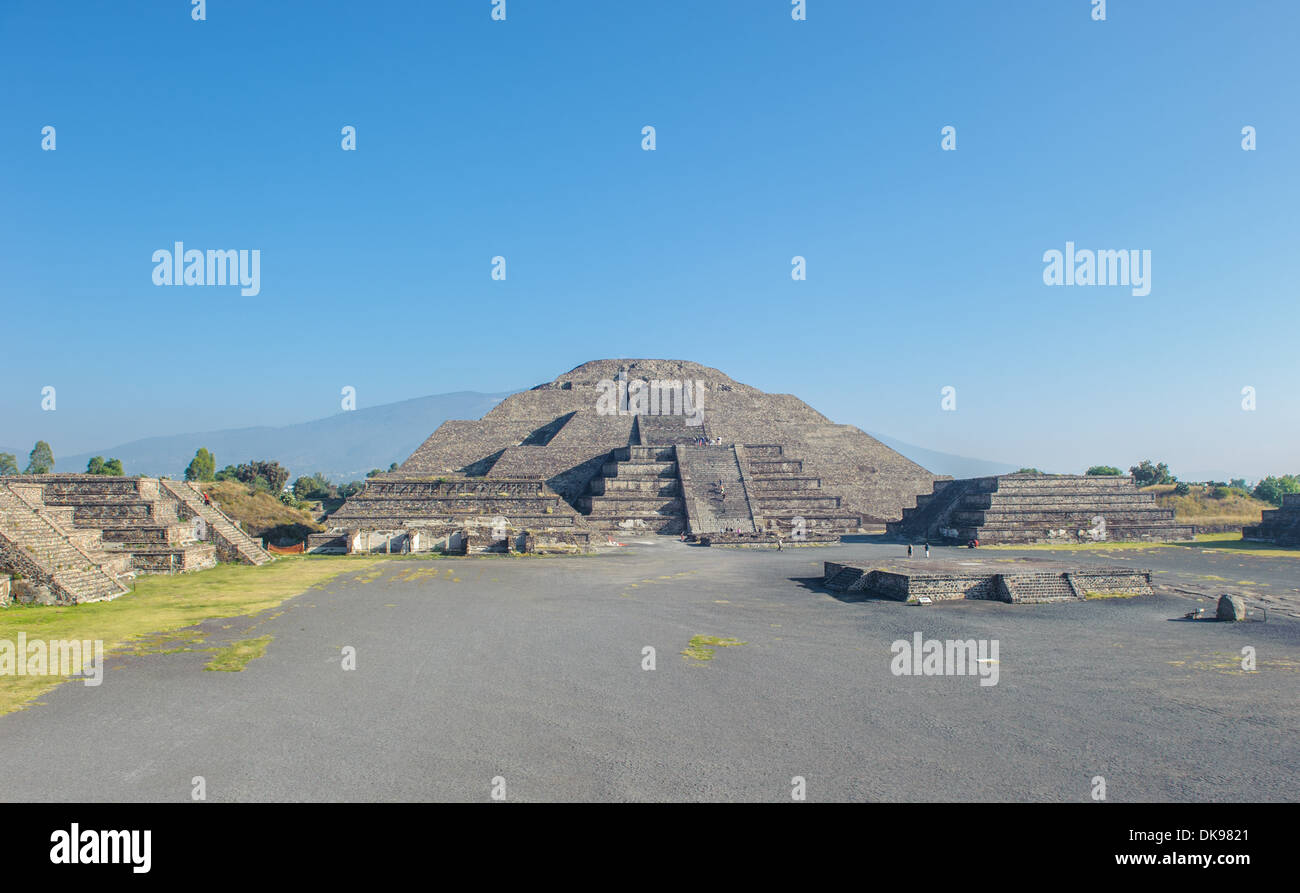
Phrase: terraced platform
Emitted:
{"points": [[1280, 526], [1014, 582], [74, 537], [1039, 508]]}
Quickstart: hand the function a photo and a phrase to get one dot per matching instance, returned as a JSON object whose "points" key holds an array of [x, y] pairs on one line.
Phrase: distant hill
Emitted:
{"points": [[945, 463], [343, 447]]}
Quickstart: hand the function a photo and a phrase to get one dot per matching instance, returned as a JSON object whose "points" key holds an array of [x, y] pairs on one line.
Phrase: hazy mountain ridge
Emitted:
{"points": [[345, 446]]}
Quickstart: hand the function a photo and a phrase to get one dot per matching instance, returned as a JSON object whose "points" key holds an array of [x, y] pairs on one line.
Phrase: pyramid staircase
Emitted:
{"points": [[231, 542], [716, 498], [41, 545]]}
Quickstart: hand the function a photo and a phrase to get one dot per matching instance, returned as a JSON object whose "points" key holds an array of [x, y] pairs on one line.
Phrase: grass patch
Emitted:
{"points": [[1230, 542], [1200, 506], [149, 618], [1074, 547], [235, 656], [1095, 595], [701, 647]]}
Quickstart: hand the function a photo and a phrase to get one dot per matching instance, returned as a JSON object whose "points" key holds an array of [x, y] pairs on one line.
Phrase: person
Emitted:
{"points": [[927, 549], [909, 550]]}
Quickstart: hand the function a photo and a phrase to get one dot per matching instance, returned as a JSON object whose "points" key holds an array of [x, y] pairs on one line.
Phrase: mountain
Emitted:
{"points": [[945, 463], [343, 447]]}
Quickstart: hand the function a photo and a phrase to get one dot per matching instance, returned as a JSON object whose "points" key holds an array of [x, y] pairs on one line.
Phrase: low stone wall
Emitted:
{"points": [[5, 589], [763, 540], [1136, 581], [1022, 584]]}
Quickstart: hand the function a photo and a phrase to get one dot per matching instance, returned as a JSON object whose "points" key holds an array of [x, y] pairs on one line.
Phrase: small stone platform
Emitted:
{"points": [[1015, 582]]}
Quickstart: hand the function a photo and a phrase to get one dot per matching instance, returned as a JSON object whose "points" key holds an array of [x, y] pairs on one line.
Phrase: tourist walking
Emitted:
{"points": [[927, 550], [909, 550]]}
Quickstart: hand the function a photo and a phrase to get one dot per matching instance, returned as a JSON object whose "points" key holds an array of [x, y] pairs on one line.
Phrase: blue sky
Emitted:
{"points": [[775, 138]]}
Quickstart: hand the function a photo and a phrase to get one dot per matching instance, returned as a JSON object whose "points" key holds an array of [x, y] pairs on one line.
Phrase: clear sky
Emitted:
{"points": [[775, 138]]}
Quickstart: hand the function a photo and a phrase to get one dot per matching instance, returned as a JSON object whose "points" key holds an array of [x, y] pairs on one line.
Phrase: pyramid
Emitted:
{"points": [[662, 446]]}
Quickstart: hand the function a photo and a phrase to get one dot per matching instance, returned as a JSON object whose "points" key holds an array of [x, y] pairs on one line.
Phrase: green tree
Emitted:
{"points": [[1272, 489], [41, 460], [1106, 471], [114, 467], [8, 463], [1029, 471], [95, 465], [203, 467], [314, 487], [229, 473], [1145, 474]]}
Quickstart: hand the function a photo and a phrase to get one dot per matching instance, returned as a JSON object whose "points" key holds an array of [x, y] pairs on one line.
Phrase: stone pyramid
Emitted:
{"points": [[661, 445]]}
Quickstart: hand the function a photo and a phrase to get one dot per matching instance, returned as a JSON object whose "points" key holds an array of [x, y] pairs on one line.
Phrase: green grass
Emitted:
{"points": [[154, 616], [701, 647], [235, 656], [1231, 542], [1096, 595]]}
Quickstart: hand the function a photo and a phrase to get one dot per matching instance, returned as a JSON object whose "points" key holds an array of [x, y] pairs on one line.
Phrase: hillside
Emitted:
{"points": [[1209, 513], [260, 513]]}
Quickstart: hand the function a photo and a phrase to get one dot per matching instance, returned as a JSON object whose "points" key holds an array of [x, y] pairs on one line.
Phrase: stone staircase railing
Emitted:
{"points": [[221, 530]]}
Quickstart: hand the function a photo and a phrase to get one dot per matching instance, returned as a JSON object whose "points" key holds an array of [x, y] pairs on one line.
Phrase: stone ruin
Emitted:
{"points": [[1280, 526], [1039, 508], [619, 447], [1015, 582], [72, 538]]}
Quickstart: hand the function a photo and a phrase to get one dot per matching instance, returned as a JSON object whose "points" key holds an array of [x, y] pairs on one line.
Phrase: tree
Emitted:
{"points": [[1029, 471], [8, 463], [97, 465], [393, 467], [314, 487], [1181, 489], [1105, 471], [348, 490], [202, 467], [1145, 474], [1272, 489], [374, 471], [41, 460], [229, 473]]}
